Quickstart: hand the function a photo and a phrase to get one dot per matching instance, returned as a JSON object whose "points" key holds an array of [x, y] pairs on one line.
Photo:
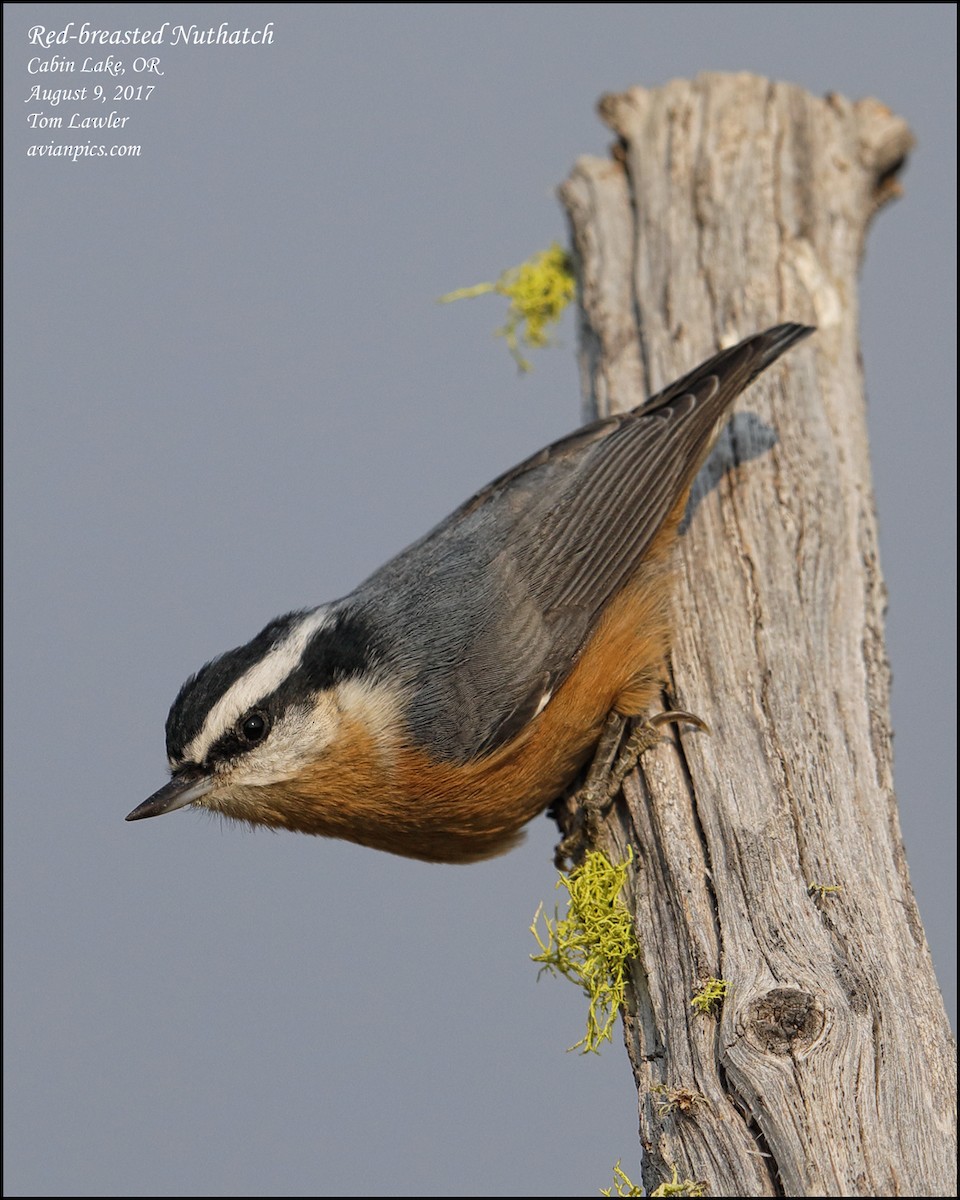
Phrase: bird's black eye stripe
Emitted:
{"points": [[253, 727], [345, 650], [247, 732]]}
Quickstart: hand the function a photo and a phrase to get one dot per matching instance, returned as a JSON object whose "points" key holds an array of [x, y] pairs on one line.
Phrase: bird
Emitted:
{"points": [[465, 685]]}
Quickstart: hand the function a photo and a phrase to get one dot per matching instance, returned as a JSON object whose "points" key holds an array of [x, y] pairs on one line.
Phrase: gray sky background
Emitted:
{"points": [[230, 393]]}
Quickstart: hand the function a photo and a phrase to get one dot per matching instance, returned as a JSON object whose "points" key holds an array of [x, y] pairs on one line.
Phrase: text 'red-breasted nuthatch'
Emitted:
{"points": [[462, 688]]}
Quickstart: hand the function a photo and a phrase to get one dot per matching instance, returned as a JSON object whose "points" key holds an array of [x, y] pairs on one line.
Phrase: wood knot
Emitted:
{"points": [[784, 1021]]}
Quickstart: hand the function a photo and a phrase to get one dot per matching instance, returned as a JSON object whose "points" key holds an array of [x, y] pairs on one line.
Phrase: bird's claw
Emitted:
{"points": [[584, 807]]}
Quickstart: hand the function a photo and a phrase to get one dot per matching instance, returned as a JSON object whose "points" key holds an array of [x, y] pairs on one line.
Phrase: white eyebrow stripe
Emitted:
{"points": [[260, 680]]}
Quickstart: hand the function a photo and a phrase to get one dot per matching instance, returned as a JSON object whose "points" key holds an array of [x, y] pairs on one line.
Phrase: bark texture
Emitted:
{"points": [[730, 204]]}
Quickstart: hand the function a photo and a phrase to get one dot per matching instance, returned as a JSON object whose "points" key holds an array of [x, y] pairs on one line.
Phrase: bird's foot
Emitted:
{"points": [[582, 809]]}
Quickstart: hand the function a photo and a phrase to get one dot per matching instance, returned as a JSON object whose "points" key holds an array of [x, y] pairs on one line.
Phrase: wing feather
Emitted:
{"points": [[500, 597]]}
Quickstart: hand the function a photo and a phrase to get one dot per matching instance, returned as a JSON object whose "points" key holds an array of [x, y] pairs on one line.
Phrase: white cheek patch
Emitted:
{"points": [[262, 679], [298, 737], [306, 731]]}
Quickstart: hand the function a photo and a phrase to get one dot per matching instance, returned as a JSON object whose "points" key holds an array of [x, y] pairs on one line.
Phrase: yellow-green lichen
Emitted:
{"points": [[711, 996], [593, 943], [680, 1187], [671, 1187], [623, 1183], [538, 290], [822, 890]]}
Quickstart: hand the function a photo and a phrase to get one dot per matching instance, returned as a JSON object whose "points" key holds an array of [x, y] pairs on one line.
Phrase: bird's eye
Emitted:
{"points": [[253, 728]]}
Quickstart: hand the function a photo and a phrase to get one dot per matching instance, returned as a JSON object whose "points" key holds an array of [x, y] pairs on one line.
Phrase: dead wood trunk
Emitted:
{"points": [[730, 204]]}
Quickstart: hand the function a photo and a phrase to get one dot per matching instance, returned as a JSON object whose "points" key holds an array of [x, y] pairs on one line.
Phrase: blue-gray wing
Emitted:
{"points": [[485, 616]]}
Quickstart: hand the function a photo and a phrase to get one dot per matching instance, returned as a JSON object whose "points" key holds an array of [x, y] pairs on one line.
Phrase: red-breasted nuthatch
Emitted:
{"points": [[461, 689]]}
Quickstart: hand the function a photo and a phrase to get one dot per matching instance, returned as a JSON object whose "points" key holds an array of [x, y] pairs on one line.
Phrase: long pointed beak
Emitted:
{"points": [[185, 787]]}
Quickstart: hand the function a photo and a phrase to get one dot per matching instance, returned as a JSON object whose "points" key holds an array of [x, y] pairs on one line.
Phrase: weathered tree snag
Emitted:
{"points": [[730, 204]]}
